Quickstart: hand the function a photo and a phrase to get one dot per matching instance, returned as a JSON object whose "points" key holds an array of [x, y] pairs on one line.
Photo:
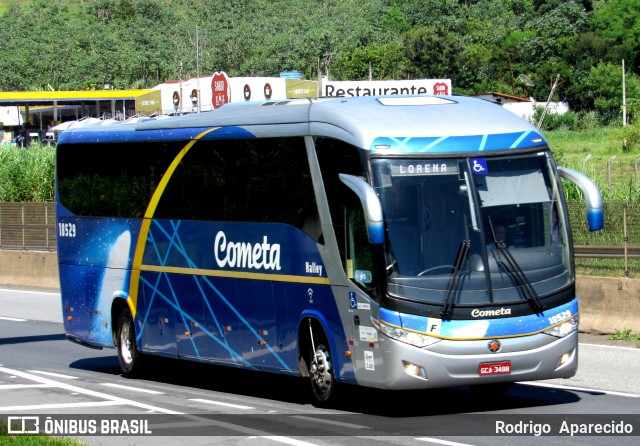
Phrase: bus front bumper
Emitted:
{"points": [[454, 363]]}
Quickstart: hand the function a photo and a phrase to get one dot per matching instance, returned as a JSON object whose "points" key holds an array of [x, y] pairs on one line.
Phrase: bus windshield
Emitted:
{"points": [[473, 230]]}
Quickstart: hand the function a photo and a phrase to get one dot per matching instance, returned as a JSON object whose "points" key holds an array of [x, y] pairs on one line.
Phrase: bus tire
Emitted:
{"points": [[321, 373], [128, 354]]}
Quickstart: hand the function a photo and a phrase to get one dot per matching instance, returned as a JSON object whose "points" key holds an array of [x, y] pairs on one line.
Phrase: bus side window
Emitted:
{"points": [[311, 225], [336, 157], [360, 253], [357, 253], [265, 180]]}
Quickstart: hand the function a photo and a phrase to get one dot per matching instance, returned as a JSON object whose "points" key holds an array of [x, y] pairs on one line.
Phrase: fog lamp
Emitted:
{"points": [[414, 370], [565, 359]]}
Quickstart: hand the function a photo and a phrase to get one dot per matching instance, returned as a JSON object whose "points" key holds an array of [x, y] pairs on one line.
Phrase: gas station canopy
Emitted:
{"points": [[27, 98], [56, 104]]}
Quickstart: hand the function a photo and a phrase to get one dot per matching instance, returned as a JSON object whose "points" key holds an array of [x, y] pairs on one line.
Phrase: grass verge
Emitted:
{"points": [[34, 440], [625, 335]]}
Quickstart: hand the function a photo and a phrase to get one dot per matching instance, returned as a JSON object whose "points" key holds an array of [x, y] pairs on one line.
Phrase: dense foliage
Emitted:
{"points": [[481, 45], [27, 175]]}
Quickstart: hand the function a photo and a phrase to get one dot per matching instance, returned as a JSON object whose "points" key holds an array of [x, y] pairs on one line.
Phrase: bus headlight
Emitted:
{"points": [[406, 336], [563, 329]]}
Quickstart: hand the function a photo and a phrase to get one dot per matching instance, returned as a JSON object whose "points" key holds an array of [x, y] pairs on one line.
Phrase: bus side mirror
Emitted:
{"points": [[370, 204], [593, 197]]}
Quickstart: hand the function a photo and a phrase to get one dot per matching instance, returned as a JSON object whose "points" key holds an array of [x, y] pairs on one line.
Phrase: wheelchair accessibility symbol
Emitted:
{"points": [[479, 165]]}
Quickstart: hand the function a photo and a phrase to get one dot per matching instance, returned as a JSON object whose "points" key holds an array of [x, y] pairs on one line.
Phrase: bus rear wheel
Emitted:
{"points": [[321, 373], [128, 354]]}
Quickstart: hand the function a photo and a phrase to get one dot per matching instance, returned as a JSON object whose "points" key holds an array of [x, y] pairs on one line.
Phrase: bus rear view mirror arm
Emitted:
{"points": [[593, 197], [370, 204]]}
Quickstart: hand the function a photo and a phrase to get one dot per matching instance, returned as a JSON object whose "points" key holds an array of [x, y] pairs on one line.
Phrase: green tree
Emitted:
{"points": [[618, 23], [601, 91], [432, 52], [387, 62], [481, 45]]}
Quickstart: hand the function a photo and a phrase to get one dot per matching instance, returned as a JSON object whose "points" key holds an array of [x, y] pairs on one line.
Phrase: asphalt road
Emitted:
{"points": [[44, 375]]}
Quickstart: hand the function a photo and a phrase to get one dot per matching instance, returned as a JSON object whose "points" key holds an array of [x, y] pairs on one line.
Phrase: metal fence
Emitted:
{"points": [[621, 223], [28, 226], [614, 250], [32, 226]]}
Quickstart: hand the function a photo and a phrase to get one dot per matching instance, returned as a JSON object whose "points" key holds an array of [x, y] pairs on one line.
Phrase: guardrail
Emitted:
{"points": [[604, 252], [625, 252]]}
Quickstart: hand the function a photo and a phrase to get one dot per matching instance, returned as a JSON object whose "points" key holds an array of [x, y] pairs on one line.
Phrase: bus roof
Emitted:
{"points": [[361, 121]]}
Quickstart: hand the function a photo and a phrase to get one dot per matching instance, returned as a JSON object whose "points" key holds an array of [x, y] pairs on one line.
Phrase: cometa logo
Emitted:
{"points": [[246, 255], [489, 313]]}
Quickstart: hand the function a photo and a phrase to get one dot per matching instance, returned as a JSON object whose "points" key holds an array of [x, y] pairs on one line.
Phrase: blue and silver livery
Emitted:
{"points": [[400, 242]]}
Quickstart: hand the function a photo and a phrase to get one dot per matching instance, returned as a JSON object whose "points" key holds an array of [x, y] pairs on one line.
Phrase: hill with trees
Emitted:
{"points": [[481, 45]]}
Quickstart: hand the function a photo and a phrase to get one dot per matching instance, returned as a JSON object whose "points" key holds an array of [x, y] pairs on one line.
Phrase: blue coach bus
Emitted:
{"points": [[345, 240]]}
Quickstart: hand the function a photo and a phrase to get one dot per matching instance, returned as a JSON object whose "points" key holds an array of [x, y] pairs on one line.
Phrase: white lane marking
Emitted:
{"points": [[287, 440], [134, 389], [13, 319], [112, 401], [9, 290], [54, 375], [336, 423], [61, 406], [580, 389], [445, 442], [197, 421], [633, 349], [83, 391], [23, 386], [219, 403]]}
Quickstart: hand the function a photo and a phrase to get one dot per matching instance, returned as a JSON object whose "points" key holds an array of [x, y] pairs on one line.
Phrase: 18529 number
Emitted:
{"points": [[560, 317], [66, 229]]}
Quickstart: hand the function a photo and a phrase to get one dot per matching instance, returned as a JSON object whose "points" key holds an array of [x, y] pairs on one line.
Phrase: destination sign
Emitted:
{"points": [[424, 167]]}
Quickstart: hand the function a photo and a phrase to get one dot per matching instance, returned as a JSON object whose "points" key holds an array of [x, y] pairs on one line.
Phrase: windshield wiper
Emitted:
{"points": [[452, 286], [516, 272]]}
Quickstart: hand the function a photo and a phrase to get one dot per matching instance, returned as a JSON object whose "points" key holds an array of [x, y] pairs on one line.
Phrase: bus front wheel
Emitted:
{"points": [[128, 354], [321, 372]]}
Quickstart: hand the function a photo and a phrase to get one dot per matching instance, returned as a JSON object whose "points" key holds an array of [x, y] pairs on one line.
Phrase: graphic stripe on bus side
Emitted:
{"points": [[132, 300], [235, 274]]}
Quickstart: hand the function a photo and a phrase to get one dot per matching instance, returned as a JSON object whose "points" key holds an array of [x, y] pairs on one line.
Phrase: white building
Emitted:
{"points": [[523, 107]]}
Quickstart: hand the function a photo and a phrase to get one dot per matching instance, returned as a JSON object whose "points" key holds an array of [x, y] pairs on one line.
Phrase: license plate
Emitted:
{"points": [[495, 368]]}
